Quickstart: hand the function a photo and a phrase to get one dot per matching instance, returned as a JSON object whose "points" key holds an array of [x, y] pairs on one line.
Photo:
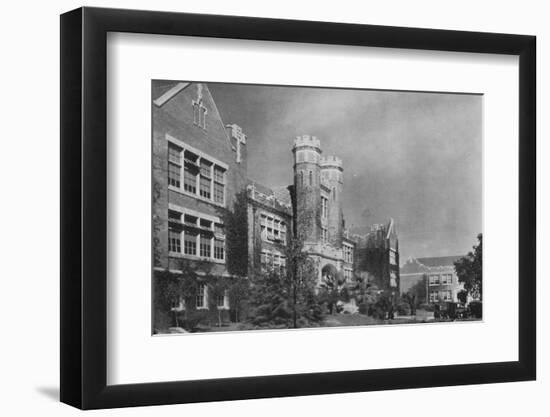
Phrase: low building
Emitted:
{"points": [[440, 276]]}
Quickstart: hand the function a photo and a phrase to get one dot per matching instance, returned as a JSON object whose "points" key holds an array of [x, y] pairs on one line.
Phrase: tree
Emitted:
{"points": [[469, 271], [238, 294], [236, 235], [416, 295], [331, 290], [286, 297]]}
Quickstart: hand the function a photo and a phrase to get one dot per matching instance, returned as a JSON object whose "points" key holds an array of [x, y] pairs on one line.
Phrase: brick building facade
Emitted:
{"points": [[441, 279]]}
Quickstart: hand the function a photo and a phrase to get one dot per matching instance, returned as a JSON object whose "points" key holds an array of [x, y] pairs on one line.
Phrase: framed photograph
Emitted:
{"points": [[259, 208]]}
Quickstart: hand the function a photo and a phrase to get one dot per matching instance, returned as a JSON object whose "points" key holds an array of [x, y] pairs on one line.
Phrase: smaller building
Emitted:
{"points": [[441, 279], [377, 256]]}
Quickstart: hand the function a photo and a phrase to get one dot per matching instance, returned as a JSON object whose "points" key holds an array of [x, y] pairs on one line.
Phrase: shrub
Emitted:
{"points": [[363, 308], [194, 319], [403, 309]]}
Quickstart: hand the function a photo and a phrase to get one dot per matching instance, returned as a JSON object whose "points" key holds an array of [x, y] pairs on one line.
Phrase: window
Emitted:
{"points": [[324, 234], [174, 175], [201, 175], [218, 229], [206, 178], [219, 174], [190, 172], [324, 207], [393, 259], [205, 246], [348, 253], [174, 165], [174, 241], [310, 178], [272, 228], [273, 261], [218, 249], [218, 192], [446, 279], [201, 301], [174, 216], [302, 178], [206, 224], [347, 274], [434, 296], [190, 220], [174, 154], [334, 193], [433, 280], [221, 300], [190, 243], [199, 114]]}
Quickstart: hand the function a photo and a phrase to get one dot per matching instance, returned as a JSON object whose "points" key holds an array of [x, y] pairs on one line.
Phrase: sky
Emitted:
{"points": [[412, 156]]}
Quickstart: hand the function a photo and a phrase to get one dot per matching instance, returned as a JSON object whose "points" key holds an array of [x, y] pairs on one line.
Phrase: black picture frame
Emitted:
{"points": [[84, 207]]}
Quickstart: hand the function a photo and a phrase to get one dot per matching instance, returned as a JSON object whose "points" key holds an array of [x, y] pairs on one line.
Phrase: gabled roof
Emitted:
{"points": [[421, 265], [165, 90], [280, 194], [439, 261]]}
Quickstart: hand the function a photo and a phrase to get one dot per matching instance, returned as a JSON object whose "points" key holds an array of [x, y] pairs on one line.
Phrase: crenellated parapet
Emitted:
{"points": [[308, 142], [331, 162]]}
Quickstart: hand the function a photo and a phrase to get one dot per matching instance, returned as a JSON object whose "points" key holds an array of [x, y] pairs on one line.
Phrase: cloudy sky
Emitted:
{"points": [[415, 157]]}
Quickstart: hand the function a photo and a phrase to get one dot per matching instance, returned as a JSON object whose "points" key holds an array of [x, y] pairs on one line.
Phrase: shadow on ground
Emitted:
{"points": [[50, 392]]}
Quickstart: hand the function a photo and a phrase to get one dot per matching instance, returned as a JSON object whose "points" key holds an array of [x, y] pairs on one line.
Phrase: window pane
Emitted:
{"points": [[205, 246], [174, 175], [174, 241], [205, 168], [218, 174], [174, 215], [174, 154], [190, 243], [205, 187], [189, 179], [218, 193], [201, 296], [191, 220], [218, 249]]}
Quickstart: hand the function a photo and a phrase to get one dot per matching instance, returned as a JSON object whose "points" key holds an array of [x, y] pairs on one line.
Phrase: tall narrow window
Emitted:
{"points": [[203, 117], [310, 178], [174, 241], [205, 246], [206, 178], [218, 249], [220, 301], [219, 184], [302, 178], [174, 165], [190, 243], [201, 296], [190, 172], [334, 193], [324, 207]]}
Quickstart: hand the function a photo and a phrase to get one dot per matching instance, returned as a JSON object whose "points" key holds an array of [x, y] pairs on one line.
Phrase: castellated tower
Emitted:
{"points": [[307, 177], [332, 176]]}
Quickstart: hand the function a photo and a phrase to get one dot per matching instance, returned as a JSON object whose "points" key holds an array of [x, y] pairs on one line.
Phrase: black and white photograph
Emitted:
{"points": [[292, 207]]}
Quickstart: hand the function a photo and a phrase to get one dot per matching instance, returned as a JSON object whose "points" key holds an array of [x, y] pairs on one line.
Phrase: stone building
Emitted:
{"points": [[200, 169], [441, 279], [318, 215], [377, 256]]}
